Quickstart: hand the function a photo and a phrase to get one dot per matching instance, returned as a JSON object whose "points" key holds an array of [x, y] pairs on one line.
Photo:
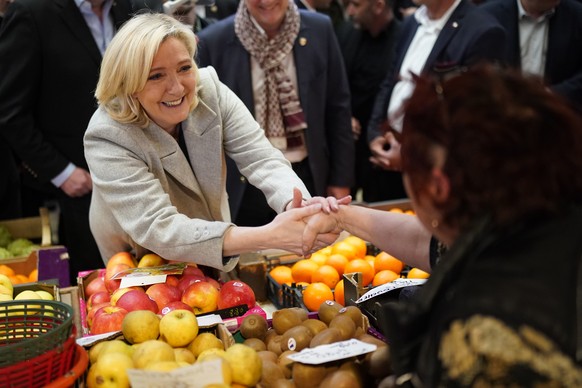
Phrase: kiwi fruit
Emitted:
{"points": [[341, 379], [296, 338], [254, 326], [325, 337], [255, 343], [271, 372], [285, 363], [355, 313], [307, 376], [315, 325], [274, 345], [345, 325], [370, 339], [283, 383], [378, 363], [285, 319], [267, 355], [328, 310], [270, 334]]}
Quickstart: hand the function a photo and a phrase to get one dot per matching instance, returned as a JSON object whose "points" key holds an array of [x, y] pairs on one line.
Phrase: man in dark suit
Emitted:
{"points": [[49, 61], [440, 36], [559, 23], [300, 52]]}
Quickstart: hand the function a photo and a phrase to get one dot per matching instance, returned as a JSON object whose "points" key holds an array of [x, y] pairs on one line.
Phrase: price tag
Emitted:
{"points": [[332, 352], [387, 287], [197, 375]]}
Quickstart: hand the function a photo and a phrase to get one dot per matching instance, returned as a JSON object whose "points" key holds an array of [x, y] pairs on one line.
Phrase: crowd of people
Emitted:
{"points": [[200, 131]]}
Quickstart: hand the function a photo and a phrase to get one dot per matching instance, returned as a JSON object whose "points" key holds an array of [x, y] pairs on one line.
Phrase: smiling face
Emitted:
{"points": [[268, 13], [171, 86]]}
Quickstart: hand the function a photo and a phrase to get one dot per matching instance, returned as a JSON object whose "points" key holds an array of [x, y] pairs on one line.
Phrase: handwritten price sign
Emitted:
{"points": [[332, 352]]}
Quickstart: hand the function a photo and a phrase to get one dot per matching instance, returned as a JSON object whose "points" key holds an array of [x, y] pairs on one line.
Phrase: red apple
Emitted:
{"points": [[113, 284], [98, 298], [163, 293], [120, 291], [187, 280], [95, 285], [91, 313], [121, 258], [108, 318], [137, 300], [176, 305], [201, 296], [192, 270], [234, 293], [172, 280], [213, 281]]}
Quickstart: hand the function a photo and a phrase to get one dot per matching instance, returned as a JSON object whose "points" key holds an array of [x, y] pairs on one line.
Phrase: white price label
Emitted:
{"points": [[332, 352], [197, 375], [394, 285]]}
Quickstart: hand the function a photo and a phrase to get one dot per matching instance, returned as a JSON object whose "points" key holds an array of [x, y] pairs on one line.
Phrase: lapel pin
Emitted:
{"points": [[455, 24], [302, 41]]}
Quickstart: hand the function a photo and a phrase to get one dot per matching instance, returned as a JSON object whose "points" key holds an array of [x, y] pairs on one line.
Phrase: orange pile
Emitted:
{"points": [[17, 278]]}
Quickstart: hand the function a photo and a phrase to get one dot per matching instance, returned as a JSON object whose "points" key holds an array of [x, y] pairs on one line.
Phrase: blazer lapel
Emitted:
{"points": [[74, 20], [303, 44], [203, 135]]}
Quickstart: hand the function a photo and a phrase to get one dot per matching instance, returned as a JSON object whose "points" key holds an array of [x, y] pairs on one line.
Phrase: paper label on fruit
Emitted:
{"points": [[332, 352], [394, 285], [197, 375]]}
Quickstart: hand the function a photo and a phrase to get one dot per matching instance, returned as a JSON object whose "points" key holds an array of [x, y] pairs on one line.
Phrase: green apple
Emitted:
{"points": [[140, 325], [5, 297], [45, 295], [5, 282], [110, 371], [152, 351], [178, 328]]}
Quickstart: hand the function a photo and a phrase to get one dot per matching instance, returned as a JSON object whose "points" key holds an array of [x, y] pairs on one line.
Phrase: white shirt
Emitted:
{"points": [[258, 79], [415, 59], [533, 40]]}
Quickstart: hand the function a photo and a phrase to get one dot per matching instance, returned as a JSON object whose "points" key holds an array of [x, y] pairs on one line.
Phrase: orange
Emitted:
{"points": [[6, 270], [319, 258], [315, 294], [338, 262], [385, 260], [359, 244], [33, 275], [325, 251], [396, 210], [303, 269], [370, 259], [384, 276], [416, 273], [281, 274], [361, 265], [326, 274], [338, 293], [410, 212], [22, 278], [346, 249]]}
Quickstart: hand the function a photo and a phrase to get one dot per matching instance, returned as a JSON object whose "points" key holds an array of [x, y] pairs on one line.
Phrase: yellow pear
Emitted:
{"points": [[152, 351], [245, 364], [110, 371], [205, 341]]}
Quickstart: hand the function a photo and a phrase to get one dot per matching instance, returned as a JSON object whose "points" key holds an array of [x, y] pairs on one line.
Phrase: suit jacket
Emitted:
{"points": [[46, 95], [147, 197], [470, 36], [563, 71], [323, 92]]}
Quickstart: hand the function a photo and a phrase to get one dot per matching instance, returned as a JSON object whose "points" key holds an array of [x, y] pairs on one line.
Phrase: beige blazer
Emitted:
{"points": [[147, 198]]}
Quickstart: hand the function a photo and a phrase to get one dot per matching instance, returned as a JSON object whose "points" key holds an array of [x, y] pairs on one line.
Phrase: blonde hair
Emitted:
{"points": [[127, 62]]}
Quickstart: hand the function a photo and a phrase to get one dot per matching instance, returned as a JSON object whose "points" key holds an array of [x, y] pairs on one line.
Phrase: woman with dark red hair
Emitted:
{"points": [[492, 163]]}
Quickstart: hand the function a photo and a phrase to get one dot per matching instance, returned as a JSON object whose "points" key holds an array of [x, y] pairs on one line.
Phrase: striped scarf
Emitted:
{"points": [[278, 109]]}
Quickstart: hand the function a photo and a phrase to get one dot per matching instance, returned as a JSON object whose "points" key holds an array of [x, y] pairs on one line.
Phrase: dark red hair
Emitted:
{"points": [[513, 147]]}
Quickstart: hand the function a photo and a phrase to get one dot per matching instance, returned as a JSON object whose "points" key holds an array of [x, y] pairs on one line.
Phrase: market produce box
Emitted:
{"points": [[52, 262]]}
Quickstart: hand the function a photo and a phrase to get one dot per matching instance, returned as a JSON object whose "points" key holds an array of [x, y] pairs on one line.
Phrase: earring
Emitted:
{"points": [[434, 223]]}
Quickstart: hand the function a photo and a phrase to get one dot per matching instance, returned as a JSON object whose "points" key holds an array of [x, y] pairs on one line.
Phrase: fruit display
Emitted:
{"points": [[308, 282], [13, 247], [8, 292], [106, 303]]}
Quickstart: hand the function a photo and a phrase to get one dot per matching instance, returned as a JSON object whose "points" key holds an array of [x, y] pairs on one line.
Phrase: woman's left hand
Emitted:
{"points": [[328, 204]]}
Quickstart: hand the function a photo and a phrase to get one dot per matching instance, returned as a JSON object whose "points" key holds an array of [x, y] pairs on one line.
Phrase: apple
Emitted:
{"points": [[178, 328], [121, 258], [95, 285], [107, 319], [6, 291], [234, 293], [151, 260], [137, 300], [113, 284], [140, 325], [187, 280], [172, 280], [91, 313], [5, 281], [98, 298], [152, 351], [192, 269], [110, 371], [201, 296], [163, 293], [213, 281], [120, 291], [176, 305]]}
